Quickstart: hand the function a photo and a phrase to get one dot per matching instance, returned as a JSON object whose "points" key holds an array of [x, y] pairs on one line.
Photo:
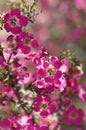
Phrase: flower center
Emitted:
{"points": [[50, 71], [13, 21], [73, 115], [44, 105], [27, 41]]}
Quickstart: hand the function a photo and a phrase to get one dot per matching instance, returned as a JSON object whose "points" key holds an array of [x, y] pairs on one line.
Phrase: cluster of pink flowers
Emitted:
{"points": [[36, 88]]}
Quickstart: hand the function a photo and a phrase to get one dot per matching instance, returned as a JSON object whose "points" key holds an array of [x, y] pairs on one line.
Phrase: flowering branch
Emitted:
{"points": [[40, 84]]}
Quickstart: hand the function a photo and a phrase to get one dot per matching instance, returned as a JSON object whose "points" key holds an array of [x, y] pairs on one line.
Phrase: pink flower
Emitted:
{"points": [[25, 120], [14, 21], [21, 74], [9, 124], [64, 67], [51, 74], [25, 41], [82, 92], [73, 84], [11, 44], [5, 124], [73, 115], [44, 105]]}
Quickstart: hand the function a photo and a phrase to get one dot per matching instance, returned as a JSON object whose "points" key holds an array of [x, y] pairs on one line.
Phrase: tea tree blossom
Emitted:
{"points": [[14, 21], [50, 72], [44, 105], [25, 41], [73, 115]]}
